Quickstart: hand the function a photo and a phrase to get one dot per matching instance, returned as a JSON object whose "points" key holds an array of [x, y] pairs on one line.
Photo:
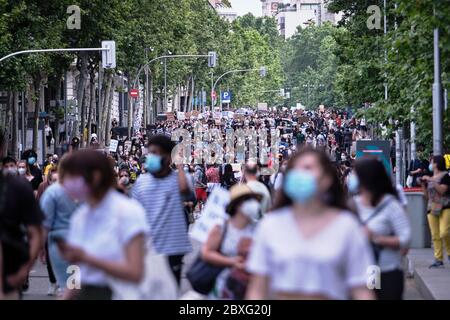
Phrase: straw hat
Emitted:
{"points": [[238, 193], [240, 190]]}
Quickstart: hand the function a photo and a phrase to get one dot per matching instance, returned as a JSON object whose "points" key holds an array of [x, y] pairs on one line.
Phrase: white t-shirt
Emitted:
{"points": [[330, 263], [105, 231]]}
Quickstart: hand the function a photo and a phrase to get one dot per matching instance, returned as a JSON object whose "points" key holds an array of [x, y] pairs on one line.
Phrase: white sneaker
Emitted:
{"points": [[59, 292], [52, 289]]}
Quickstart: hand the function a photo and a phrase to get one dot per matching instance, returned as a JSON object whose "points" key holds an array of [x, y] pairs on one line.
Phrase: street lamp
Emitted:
{"points": [[262, 72]]}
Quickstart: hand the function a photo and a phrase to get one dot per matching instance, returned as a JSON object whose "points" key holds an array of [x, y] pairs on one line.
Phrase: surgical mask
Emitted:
{"points": [[300, 185], [22, 171], [125, 180], [10, 171], [31, 161], [76, 188], [153, 163], [353, 183], [251, 209], [430, 167]]}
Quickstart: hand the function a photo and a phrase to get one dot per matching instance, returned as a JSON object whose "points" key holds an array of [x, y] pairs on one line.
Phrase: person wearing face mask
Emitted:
{"points": [[384, 221], [291, 256], [23, 169], [161, 193], [30, 156], [106, 236], [9, 166], [124, 183], [58, 208], [437, 191], [251, 172], [221, 246]]}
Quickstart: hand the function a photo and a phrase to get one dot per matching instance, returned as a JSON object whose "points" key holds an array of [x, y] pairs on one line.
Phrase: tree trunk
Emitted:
{"points": [[36, 98], [91, 107], [83, 115], [15, 125], [185, 94], [130, 108], [108, 116], [150, 102], [105, 104], [6, 125], [191, 94], [81, 85]]}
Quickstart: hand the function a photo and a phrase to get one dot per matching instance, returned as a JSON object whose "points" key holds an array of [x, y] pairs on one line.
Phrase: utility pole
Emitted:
{"points": [[165, 86], [212, 91], [24, 124], [437, 98], [413, 138], [65, 106]]}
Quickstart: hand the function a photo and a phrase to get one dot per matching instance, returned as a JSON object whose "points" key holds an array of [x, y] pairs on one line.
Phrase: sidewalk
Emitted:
{"points": [[433, 284]]}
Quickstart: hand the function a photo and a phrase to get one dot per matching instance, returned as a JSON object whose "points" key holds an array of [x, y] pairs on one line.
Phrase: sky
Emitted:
{"points": [[243, 7]]}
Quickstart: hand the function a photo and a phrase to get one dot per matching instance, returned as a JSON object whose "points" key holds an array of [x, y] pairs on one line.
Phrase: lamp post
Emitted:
{"points": [[262, 72]]}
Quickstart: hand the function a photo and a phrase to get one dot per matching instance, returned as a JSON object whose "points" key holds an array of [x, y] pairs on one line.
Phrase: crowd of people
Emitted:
{"points": [[311, 230]]}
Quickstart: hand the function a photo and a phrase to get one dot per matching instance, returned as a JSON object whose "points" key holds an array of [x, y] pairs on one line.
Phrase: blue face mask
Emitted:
{"points": [[153, 163], [353, 183], [430, 167], [300, 185], [31, 161]]}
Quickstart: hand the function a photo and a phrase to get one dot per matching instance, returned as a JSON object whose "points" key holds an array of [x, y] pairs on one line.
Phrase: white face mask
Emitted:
{"points": [[251, 209], [22, 171]]}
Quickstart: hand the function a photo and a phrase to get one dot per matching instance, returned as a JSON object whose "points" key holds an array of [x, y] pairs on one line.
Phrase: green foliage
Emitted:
{"points": [[310, 65], [408, 70]]}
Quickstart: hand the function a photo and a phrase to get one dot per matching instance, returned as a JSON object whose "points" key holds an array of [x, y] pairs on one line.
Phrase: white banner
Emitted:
{"points": [[212, 214]]}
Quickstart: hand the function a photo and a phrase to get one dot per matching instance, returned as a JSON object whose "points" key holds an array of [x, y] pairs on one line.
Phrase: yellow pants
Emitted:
{"points": [[440, 233]]}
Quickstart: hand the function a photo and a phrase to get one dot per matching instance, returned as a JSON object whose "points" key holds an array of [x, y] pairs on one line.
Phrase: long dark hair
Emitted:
{"points": [[374, 178], [335, 196], [227, 178]]}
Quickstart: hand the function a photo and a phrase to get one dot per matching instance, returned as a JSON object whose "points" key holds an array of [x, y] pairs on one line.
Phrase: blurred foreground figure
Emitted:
{"points": [[20, 232], [106, 237], [385, 223], [310, 246]]}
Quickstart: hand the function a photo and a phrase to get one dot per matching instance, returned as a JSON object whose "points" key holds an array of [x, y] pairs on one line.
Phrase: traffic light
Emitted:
{"points": [[262, 72], [212, 59], [109, 56]]}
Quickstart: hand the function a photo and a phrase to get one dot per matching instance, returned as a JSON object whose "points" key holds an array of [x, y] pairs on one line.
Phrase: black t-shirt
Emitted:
{"points": [[18, 209]]}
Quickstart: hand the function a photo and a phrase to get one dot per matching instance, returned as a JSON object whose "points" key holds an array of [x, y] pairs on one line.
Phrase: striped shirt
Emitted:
{"points": [[392, 220], [163, 206]]}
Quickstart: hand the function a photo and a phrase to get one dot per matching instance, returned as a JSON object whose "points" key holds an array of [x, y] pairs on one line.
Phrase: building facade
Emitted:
{"points": [[224, 9], [298, 13]]}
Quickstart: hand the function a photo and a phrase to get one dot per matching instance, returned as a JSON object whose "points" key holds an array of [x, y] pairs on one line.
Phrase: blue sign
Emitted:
{"points": [[226, 97]]}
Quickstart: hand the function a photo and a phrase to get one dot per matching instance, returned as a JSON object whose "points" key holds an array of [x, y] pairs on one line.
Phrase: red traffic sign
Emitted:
{"points": [[134, 93]]}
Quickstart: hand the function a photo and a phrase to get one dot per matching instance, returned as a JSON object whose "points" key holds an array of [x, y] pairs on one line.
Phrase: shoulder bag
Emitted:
{"points": [[202, 275]]}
